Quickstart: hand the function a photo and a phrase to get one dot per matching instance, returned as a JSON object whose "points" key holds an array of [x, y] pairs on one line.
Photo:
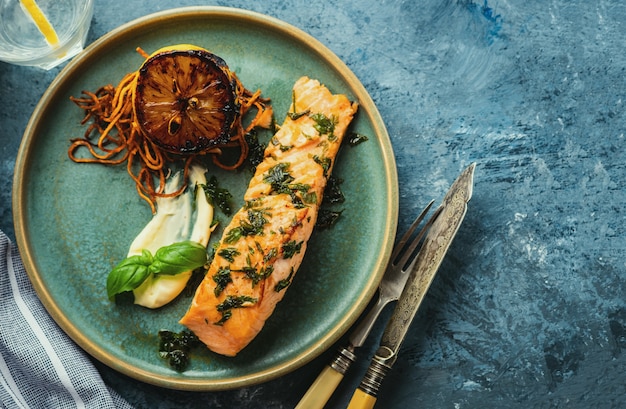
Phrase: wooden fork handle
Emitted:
{"points": [[321, 390]]}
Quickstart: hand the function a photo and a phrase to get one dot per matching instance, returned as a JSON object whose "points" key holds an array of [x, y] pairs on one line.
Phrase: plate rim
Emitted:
{"points": [[92, 51]]}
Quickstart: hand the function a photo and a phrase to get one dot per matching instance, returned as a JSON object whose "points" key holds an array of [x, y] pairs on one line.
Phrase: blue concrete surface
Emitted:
{"points": [[529, 307]]}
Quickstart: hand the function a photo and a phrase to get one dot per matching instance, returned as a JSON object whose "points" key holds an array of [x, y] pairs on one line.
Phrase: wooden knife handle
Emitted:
{"points": [[321, 390], [361, 400]]}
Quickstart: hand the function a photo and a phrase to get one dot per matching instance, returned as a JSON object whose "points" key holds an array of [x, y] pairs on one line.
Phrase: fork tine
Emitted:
{"points": [[400, 246], [413, 245]]}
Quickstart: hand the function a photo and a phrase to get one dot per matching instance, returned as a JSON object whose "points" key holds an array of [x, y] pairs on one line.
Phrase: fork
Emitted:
{"points": [[396, 274]]}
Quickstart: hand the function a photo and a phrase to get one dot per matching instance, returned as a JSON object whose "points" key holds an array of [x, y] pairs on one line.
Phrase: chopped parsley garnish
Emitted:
{"points": [[252, 204], [258, 246], [299, 187], [324, 162], [233, 235], [278, 177], [325, 125], [250, 271], [310, 198], [254, 276], [222, 278], [270, 255], [252, 227], [291, 248], [295, 115], [251, 274], [257, 221], [282, 284], [283, 148], [266, 272], [280, 181], [225, 307], [229, 253]]}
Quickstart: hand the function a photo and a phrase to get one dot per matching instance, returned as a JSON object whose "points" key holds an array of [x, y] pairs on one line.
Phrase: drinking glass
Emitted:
{"points": [[43, 33]]}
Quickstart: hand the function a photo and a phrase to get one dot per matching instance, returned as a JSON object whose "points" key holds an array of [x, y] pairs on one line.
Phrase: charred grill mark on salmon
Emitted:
{"points": [[264, 244]]}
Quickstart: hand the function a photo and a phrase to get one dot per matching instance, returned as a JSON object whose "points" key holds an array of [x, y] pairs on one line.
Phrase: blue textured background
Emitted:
{"points": [[529, 307]]}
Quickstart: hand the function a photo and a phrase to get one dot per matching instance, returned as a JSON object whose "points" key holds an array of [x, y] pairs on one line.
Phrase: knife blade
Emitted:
{"points": [[436, 244]]}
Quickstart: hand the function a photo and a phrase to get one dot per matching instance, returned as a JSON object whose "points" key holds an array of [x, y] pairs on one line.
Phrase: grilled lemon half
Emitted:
{"points": [[185, 99]]}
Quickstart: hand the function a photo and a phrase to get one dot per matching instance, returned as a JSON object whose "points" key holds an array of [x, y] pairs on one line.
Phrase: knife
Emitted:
{"points": [[396, 275], [436, 244]]}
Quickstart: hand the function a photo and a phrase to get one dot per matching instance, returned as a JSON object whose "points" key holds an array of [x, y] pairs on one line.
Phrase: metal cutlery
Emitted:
{"points": [[396, 275], [432, 252]]}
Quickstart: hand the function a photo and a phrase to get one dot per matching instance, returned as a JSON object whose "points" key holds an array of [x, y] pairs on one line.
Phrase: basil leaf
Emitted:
{"points": [[178, 258], [174, 259], [129, 274]]}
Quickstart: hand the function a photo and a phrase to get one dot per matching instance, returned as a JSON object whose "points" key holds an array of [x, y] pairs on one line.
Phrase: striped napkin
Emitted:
{"points": [[40, 367]]}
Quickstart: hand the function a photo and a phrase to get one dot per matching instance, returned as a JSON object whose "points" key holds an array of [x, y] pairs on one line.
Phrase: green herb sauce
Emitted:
{"points": [[218, 196], [175, 347]]}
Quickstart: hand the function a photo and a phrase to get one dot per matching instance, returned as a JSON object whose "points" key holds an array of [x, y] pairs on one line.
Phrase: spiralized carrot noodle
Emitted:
{"points": [[114, 137]]}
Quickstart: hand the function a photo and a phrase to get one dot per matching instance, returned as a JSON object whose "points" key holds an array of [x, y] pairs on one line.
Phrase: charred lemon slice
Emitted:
{"points": [[185, 99]]}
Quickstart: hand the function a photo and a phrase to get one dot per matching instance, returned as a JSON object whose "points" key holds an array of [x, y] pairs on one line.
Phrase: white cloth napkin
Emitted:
{"points": [[40, 366]]}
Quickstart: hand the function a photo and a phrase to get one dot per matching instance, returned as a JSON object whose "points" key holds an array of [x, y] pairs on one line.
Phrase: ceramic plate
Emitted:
{"points": [[75, 221]]}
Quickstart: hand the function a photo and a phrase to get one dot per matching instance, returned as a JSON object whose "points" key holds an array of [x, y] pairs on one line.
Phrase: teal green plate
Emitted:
{"points": [[74, 222]]}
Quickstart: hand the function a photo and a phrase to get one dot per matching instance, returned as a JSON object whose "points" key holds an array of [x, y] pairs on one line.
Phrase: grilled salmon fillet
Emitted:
{"points": [[264, 244]]}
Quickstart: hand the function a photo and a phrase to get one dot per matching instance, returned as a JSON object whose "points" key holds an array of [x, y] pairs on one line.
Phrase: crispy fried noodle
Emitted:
{"points": [[115, 137]]}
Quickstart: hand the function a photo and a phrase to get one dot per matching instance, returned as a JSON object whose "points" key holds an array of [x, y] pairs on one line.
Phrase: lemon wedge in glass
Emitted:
{"points": [[41, 21]]}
